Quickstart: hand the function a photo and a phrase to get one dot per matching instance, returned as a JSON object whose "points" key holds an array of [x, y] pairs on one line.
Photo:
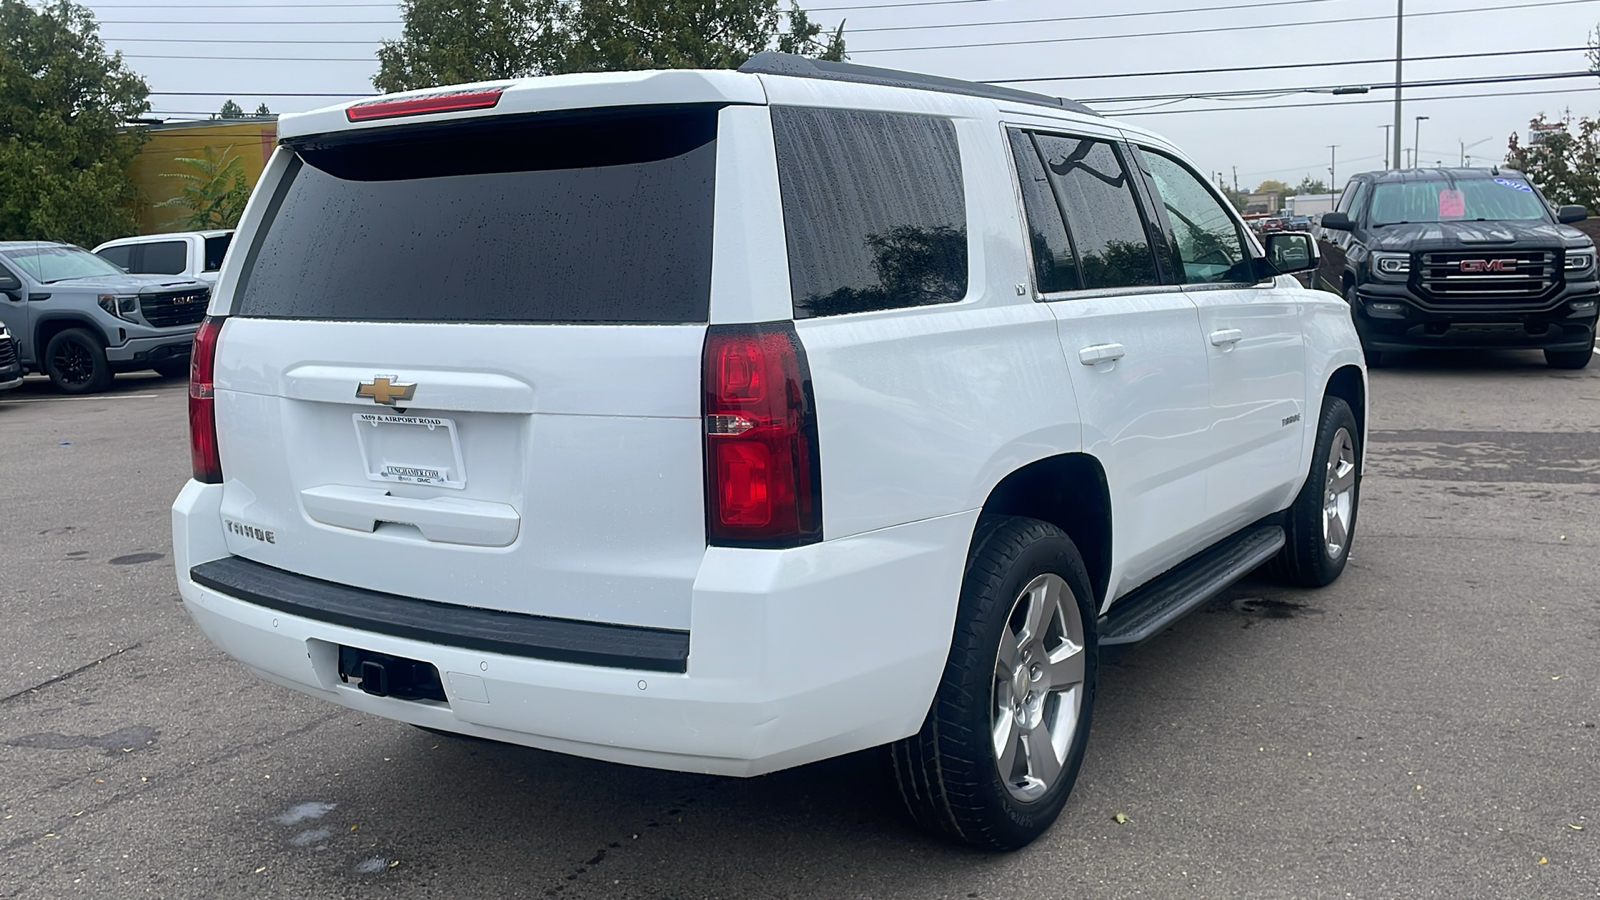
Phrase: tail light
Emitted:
{"points": [[202, 411], [763, 476]]}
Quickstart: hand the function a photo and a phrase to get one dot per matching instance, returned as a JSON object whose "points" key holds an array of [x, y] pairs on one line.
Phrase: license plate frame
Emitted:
{"points": [[404, 449]]}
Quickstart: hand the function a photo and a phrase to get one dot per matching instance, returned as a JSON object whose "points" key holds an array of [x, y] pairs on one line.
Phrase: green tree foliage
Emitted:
{"points": [[262, 111], [63, 159], [445, 42], [1237, 198], [1272, 184], [230, 110], [214, 191], [1564, 163], [1309, 185]]}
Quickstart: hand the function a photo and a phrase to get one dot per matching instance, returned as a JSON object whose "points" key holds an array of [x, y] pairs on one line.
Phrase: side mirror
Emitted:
{"points": [[1291, 251], [10, 285], [1337, 221], [1566, 215]]}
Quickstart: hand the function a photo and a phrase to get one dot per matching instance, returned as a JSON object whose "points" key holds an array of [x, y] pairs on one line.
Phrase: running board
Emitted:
{"points": [[1152, 607]]}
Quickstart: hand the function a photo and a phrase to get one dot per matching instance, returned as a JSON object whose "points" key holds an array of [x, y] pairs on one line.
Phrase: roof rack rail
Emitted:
{"points": [[770, 62]]}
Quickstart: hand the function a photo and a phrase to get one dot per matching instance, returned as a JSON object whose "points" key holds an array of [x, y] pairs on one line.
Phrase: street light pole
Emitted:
{"points": [[1416, 142], [1399, 22]]}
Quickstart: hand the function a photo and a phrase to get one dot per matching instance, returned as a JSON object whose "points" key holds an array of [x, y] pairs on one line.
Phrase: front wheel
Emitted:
{"points": [[1568, 359], [1003, 741], [1322, 522], [76, 362]]}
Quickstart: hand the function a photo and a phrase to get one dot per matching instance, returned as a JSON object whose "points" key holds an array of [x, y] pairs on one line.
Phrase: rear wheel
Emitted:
{"points": [[1002, 744], [1568, 359], [76, 362], [1322, 522]]}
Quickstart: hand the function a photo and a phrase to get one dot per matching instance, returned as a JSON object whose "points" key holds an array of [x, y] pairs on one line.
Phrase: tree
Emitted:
{"points": [[64, 154], [230, 110], [262, 111], [1272, 184], [1563, 164], [1309, 185], [442, 43], [214, 190], [1235, 197]]}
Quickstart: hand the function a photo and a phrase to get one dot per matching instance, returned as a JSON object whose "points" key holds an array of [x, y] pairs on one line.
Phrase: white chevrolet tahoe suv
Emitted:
{"points": [[727, 421]]}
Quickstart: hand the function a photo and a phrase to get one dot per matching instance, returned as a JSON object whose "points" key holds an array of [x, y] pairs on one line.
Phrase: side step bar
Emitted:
{"points": [[1152, 607]]}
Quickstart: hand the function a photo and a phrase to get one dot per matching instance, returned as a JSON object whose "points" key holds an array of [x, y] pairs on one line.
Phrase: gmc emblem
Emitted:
{"points": [[1488, 265]]}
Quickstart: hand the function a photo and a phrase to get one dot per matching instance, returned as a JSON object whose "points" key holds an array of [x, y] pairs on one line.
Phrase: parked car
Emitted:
{"points": [[195, 254], [1462, 259], [11, 370], [80, 319], [1298, 223], [751, 418]]}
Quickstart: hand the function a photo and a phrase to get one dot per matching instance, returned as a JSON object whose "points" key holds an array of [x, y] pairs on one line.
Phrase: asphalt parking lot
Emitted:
{"points": [[1425, 727]]}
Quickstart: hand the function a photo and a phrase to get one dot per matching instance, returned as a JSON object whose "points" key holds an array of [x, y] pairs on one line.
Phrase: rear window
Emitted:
{"points": [[162, 258], [603, 216], [216, 249], [873, 210]]}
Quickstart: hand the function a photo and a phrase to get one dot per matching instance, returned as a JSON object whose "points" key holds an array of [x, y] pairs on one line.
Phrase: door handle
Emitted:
{"points": [[1100, 353], [1226, 336]]}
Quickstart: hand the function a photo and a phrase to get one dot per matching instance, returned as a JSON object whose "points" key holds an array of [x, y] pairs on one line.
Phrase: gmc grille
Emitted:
{"points": [[8, 352], [1483, 277], [166, 310]]}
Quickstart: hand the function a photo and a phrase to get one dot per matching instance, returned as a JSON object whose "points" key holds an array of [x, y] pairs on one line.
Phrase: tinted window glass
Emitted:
{"points": [[1465, 199], [1347, 200], [162, 258], [873, 209], [216, 249], [1054, 267], [1206, 240], [117, 256], [1094, 189], [593, 217]]}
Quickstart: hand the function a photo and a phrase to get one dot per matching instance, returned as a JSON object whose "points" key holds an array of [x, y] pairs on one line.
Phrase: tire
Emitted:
{"points": [[172, 368], [1318, 543], [1568, 359], [76, 362], [1019, 571]]}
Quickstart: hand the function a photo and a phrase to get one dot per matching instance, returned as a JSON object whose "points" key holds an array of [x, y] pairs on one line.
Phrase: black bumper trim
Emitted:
{"points": [[467, 627]]}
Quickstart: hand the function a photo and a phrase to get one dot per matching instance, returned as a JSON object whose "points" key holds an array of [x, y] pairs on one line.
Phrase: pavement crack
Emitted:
{"points": [[672, 811], [65, 675]]}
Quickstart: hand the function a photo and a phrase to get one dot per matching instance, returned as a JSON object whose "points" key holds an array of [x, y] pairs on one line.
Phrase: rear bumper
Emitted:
{"points": [[795, 655]]}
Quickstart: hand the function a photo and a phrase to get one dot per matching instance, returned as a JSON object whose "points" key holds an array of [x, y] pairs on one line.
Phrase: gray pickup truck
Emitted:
{"points": [[81, 320]]}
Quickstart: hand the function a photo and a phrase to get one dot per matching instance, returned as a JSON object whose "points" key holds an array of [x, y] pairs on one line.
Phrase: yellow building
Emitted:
{"points": [[251, 140]]}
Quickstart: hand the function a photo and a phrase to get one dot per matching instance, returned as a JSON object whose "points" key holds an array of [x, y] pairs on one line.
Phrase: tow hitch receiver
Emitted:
{"points": [[382, 675]]}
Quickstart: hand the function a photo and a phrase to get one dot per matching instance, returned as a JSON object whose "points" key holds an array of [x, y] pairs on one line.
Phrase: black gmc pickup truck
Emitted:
{"points": [[1461, 258]]}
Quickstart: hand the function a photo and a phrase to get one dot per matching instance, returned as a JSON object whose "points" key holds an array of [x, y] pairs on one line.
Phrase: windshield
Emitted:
{"points": [[1466, 200], [50, 263]]}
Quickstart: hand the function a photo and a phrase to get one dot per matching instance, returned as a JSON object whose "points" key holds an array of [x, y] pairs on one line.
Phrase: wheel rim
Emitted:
{"points": [[72, 362], [1339, 494], [1038, 687]]}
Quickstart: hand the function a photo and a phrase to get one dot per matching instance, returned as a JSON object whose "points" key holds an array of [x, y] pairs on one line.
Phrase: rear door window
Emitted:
{"points": [[1055, 266], [873, 210], [1095, 192], [216, 249], [599, 216], [161, 258]]}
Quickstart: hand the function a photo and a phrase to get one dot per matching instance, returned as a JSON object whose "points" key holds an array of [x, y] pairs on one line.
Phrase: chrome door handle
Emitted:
{"points": [[1226, 336], [1100, 353]]}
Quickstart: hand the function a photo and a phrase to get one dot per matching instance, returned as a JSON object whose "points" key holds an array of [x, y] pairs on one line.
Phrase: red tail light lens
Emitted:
{"points": [[202, 411], [763, 476], [445, 101]]}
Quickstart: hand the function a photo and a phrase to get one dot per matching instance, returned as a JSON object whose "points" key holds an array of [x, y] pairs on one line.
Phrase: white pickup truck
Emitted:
{"points": [[195, 254]]}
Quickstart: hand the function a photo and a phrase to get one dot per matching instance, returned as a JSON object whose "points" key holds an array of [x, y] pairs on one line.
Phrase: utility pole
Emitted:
{"points": [[1399, 45], [1386, 147], [1416, 142], [1333, 169], [1235, 179]]}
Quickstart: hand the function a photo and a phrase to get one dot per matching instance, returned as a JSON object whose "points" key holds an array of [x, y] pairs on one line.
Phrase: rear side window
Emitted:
{"points": [[873, 209], [216, 249], [117, 256], [1096, 194], [161, 258], [601, 216], [1055, 268]]}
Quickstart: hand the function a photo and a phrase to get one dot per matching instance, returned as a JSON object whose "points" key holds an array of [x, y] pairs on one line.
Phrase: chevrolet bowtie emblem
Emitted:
{"points": [[385, 389]]}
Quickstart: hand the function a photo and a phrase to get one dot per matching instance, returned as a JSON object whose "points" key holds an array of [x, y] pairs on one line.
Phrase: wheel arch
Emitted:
{"points": [[50, 325], [1347, 384], [1069, 491]]}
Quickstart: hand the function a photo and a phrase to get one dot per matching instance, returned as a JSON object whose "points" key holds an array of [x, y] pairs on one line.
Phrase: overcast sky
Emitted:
{"points": [[277, 48]]}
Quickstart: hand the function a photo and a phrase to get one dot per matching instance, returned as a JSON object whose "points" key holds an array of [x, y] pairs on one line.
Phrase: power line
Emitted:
{"points": [[1303, 65], [1284, 106], [1226, 28], [1261, 92], [1051, 19]]}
